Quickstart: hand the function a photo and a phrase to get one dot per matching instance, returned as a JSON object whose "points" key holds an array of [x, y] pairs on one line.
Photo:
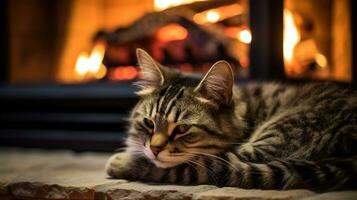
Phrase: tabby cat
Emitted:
{"points": [[270, 136]]}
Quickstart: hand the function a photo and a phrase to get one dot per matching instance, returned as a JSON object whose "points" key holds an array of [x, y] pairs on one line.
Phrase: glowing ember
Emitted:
{"points": [[291, 36], [242, 34], [124, 73], [217, 14], [90, 66], [245, 36], [163, 4], [172, 32], [186, 68], [212, 16]]}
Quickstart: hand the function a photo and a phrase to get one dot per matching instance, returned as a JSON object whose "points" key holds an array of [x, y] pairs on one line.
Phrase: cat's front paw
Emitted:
{"points": [[120, 165]]}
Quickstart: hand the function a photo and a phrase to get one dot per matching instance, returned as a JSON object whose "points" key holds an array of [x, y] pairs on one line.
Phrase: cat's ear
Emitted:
{"points": [[152, 73], [217, 84]]}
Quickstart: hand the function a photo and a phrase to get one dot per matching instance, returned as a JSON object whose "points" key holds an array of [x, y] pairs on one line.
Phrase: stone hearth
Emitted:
{"points": [[37, 174]]}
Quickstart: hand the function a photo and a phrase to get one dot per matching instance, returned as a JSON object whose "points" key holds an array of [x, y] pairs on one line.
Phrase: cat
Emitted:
{"points": [[189, 131]]}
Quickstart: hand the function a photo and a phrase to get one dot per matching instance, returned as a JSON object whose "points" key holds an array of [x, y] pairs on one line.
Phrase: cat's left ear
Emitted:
{"points": [[152, 73], [217, 84]]}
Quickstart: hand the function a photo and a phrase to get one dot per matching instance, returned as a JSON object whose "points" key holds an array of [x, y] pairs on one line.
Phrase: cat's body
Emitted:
{"points": [[266, 135]]}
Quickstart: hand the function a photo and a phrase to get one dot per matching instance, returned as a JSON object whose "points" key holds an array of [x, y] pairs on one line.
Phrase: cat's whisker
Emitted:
{"points": [[219, 158], [120, 149], [135, 143], [209, 171], [133, 152]]}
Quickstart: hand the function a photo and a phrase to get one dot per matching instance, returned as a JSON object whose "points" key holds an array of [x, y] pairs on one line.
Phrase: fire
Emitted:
{"points": [[172, 32], [213, 16], [291, 36], [242, 34], [321, 60], [217, 14], [90, 66], [124, 73], [163, 4]]}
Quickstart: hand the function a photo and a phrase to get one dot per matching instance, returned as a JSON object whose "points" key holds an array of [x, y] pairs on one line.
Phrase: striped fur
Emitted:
{"points": [[268, 135]]}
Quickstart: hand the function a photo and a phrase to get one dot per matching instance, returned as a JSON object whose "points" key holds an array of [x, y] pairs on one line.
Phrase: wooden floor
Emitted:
{"points": [[38, 174]]}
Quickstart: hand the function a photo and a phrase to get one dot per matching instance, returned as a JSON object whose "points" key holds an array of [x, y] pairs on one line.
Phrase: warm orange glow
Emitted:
{"points": [[163, 4], [232, 31], [81, 64], [172, 32], [245, 36], [291, 36], [90, 66], [321, 60], [124, 73], [212, 16], [186, 68], [241, 33], [217, 14]]}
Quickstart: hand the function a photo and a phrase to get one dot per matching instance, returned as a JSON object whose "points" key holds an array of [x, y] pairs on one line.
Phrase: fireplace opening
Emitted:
{"points": [[77, 42]]}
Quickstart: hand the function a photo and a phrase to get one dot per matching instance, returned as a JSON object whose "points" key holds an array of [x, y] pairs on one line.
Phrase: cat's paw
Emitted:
{"points": [[119, 165]]}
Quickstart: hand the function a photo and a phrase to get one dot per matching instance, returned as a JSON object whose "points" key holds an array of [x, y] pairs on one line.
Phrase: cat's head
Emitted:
{"points": [[179, 117]]}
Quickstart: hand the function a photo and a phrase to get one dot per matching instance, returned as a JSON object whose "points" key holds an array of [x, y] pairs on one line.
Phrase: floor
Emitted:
{"points": [[37, 174]]}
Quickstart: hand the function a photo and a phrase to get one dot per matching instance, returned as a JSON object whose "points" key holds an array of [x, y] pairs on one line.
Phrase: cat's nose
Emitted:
{"points": [[155, 149]]}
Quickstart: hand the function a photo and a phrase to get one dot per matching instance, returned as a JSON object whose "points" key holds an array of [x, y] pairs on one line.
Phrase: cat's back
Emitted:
{"points": [[267, 99]]}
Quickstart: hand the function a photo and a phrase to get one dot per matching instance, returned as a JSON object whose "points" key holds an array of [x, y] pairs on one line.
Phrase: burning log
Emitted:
{"points": [[171, 37]]}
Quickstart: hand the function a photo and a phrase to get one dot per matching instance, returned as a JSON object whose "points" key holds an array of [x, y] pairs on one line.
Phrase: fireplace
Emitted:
{"points": [[81, 42], [70, 65]]}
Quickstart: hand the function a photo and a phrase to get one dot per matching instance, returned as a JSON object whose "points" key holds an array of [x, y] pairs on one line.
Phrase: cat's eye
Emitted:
{"points": [[182, 128], [149, 123]]}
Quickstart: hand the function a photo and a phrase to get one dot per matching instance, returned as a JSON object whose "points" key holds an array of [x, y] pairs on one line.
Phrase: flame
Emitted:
{"points": [[172, 32], [90, 66], [217, 14], [81, 64], [321, 60], [291, 36], [163, 4]]}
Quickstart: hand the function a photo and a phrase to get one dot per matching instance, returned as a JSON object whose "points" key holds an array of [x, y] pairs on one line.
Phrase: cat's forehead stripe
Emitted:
{"points": [[159, 100], [153, 109], [165, 101], [172, 114], [171, 104], [163, 95], [169, 97]]}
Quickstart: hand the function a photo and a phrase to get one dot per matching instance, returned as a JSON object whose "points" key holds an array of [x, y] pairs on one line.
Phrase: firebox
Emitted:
{"points": [[67, 67]]}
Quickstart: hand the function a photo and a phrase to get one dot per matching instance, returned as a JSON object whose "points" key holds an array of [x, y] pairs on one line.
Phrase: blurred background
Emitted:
{"points": [[67, 67]]}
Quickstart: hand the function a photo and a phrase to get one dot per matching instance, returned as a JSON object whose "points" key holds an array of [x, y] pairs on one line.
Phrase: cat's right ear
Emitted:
{"points": [[152, 73], [217, 85]]}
